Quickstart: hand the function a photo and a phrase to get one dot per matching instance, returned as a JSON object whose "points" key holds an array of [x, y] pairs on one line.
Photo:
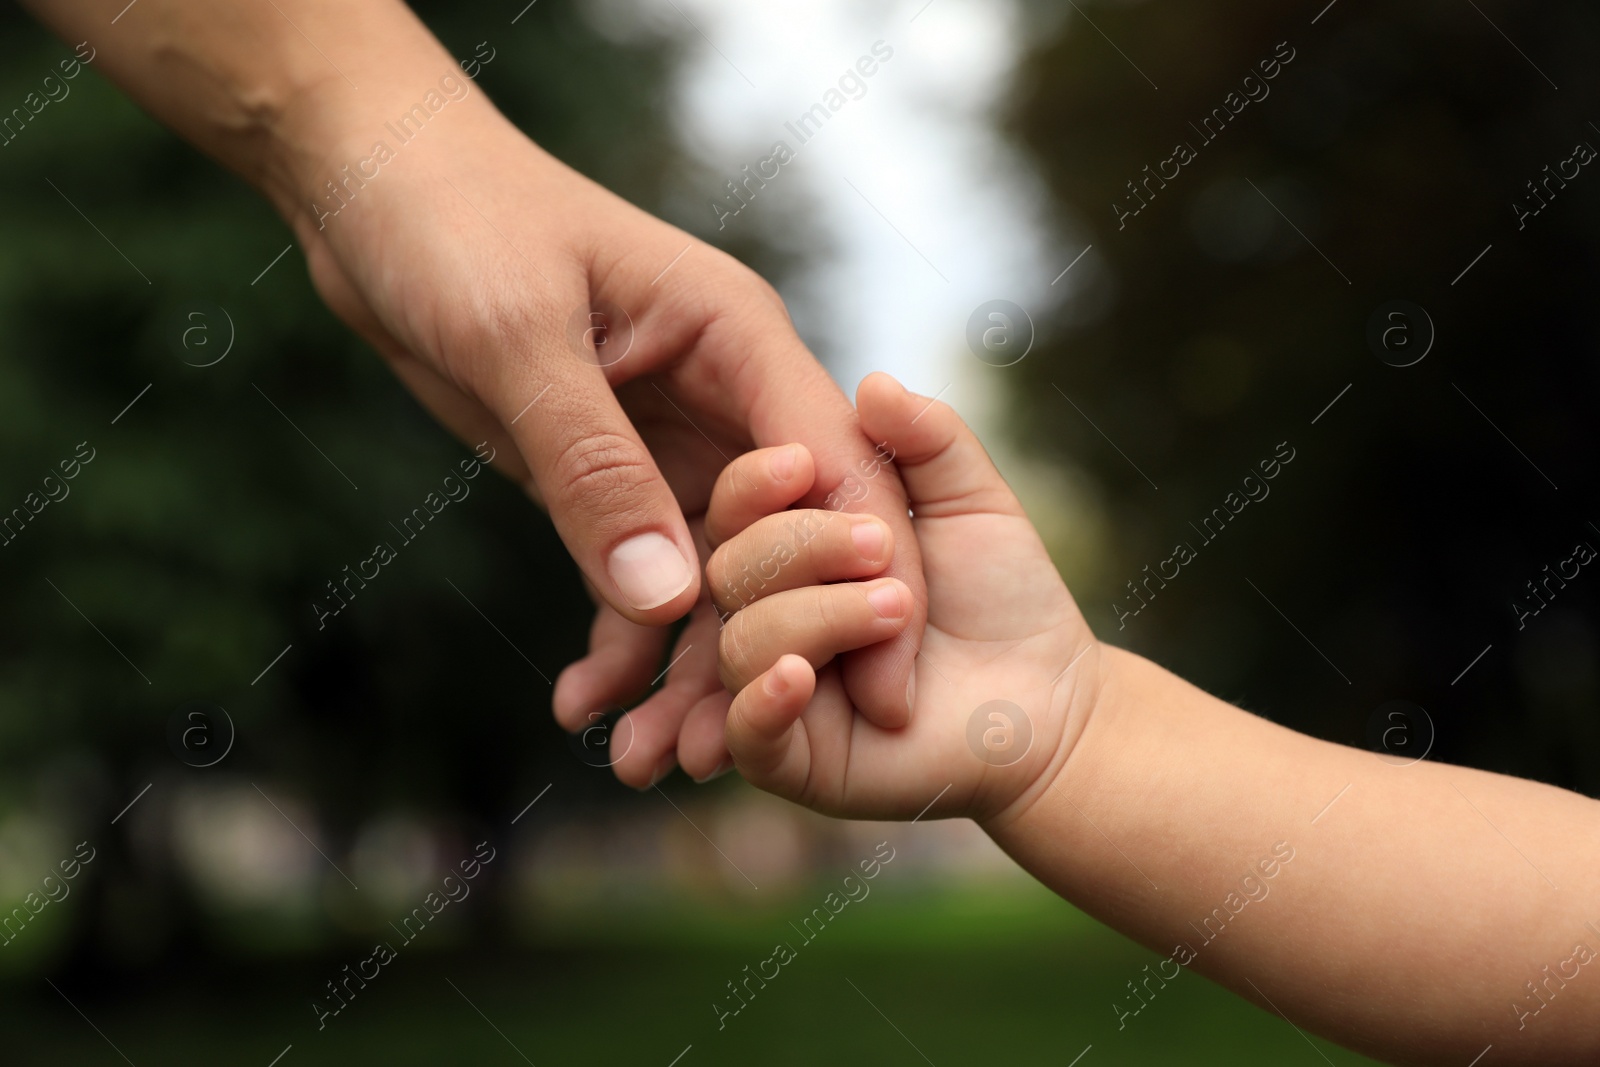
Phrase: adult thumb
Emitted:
{"points": [[605, 494]]}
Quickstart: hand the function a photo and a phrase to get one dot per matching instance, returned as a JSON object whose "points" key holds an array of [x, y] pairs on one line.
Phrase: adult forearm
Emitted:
{"points": [[267, 87], [1401, 910]]}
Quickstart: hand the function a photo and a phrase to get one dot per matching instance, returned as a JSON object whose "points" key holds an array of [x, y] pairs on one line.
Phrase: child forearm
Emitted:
{"points": [[1417, 913]]}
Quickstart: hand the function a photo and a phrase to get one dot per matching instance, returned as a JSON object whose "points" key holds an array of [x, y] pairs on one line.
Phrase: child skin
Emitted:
{"points": [[1416, 914]]}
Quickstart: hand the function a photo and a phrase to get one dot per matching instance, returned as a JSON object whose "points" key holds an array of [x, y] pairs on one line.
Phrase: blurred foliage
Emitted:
{"points": [[1013, 983], [1206, 330]]}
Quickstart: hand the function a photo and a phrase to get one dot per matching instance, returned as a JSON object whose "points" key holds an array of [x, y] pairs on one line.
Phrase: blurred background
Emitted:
{"points": [[1161, 337]]}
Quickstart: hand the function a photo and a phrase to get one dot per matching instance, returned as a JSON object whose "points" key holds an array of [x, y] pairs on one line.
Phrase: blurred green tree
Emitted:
{"points": [[1225, 315]]}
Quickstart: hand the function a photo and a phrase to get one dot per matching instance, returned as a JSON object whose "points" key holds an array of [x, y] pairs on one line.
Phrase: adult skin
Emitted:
{"points": [[464, 262]]}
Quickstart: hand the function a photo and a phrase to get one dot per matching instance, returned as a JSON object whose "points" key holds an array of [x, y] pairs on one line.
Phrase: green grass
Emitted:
{"points": [[965, 978]]}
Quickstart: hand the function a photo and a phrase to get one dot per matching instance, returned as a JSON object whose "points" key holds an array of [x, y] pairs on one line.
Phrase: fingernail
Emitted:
{"points": [[885, 600], [911, 691], [722, 768], [664, 768], [782, 464], [649, 571], [869, 539]]}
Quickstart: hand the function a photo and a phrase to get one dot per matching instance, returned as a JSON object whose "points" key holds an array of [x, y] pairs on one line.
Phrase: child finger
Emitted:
{"points": [[817, 623], [761, 732], [757, 483], [793, 549]]}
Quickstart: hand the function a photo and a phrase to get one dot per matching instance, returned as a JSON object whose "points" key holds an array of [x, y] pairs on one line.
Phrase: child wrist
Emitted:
{"points": [[1083, 693]]}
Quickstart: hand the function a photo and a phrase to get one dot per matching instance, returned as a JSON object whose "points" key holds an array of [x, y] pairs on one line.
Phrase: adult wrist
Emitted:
{"points": [[324, 124], [393, 80], [302, 133]]}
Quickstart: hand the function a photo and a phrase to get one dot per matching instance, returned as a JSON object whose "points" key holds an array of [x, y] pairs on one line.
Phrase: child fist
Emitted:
{"points": [[1007, 671]]}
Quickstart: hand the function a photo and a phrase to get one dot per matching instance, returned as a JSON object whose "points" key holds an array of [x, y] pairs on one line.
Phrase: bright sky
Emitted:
{"points": [[942, 216]]}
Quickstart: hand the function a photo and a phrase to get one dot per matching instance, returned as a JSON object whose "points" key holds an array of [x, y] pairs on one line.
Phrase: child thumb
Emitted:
{"points": [[945, 468]]}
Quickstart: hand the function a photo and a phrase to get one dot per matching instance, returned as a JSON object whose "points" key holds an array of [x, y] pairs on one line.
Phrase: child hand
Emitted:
{"points": [[1008, 669], [1173, 803]]}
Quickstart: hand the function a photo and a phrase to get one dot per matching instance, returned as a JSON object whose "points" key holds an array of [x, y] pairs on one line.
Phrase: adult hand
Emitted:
{"points": [[465, 254], [473, 262]]}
